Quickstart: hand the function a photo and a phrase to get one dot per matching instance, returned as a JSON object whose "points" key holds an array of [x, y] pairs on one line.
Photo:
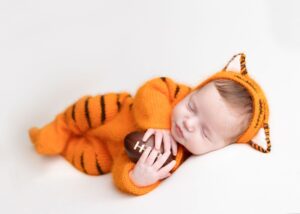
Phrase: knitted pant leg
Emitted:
{"points": [[50, 139], [89, 155], [88, 113]]}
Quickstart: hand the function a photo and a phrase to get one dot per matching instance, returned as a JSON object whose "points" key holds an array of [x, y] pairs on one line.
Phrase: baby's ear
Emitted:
{"points": [[259, 138]]}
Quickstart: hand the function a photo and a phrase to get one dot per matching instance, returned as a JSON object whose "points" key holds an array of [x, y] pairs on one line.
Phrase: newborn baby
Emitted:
{"points": [[207, 119], [226, 108]]}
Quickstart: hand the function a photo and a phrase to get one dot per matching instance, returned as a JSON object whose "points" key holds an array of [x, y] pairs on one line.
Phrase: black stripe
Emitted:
{"points": [[163, 79], [118, 102], [66, 117], [130, 106], [87, 114], [102, 109], [176, 91], [73, 112], [82, 163], [266, 126], [244, 72], [98, 166]]}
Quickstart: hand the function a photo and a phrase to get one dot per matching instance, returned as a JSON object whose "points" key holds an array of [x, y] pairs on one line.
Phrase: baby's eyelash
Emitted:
{"points": [[189, 107]]}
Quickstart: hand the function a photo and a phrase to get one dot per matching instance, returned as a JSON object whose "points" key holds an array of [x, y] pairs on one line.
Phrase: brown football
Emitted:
{"points": [[135, 146]]}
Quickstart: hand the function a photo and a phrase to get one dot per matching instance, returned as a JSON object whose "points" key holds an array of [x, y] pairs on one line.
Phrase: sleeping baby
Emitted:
{"points": [[229, 107]]}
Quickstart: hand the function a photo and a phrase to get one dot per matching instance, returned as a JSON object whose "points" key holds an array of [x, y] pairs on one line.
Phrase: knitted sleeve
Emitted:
{"points": [[153, 102]]}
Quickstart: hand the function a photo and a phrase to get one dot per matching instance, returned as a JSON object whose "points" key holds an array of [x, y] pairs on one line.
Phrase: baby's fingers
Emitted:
{"points": [[158, 139], [165, 176], [167, 142], [161, 160], [144, 156], [148, 133], [166, 169]]}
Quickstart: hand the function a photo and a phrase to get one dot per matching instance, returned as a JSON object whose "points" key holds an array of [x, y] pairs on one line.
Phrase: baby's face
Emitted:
{"points": [[205, 120]]}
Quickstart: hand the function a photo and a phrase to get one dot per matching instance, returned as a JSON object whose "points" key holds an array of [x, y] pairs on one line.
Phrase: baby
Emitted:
{"points": [[226, 108], [207, 119]]}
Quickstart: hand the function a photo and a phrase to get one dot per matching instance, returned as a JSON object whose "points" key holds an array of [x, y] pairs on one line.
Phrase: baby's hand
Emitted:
{"points": [[147, 172], [162, 134]]}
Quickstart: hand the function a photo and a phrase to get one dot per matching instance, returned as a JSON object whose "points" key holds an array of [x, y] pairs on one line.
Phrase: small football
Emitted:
{"points": [[135, 146]]}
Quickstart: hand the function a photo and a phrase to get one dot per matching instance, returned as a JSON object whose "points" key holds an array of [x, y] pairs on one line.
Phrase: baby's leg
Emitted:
{"points": [[52, 138], [89, 155], [86, 114]]}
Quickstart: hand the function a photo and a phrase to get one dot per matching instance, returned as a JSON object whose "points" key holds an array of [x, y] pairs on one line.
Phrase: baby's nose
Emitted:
{"points": [[188, 124]]}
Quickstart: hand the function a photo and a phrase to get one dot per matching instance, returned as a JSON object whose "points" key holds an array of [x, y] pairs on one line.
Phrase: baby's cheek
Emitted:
{"points": [[178, 110], [173, 115]]}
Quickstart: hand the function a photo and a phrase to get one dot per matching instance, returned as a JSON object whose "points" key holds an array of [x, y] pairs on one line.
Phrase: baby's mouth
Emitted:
{"points": [[179, 131]]}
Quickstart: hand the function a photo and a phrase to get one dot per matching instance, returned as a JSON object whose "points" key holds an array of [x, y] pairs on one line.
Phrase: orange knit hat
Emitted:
{"points": [[260, 115]]}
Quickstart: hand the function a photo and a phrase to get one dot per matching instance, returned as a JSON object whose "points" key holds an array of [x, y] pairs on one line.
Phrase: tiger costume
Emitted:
{"points": [[90, 133]]}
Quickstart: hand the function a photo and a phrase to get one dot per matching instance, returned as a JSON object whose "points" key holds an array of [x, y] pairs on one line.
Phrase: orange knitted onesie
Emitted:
{"points": [[90, 132]]}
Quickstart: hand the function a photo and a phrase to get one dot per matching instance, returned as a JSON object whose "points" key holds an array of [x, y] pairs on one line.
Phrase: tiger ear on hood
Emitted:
{"points": [[259, 138]]}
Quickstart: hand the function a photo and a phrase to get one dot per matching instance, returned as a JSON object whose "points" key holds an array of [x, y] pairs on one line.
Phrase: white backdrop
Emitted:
{"points": [[53, 52]]}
